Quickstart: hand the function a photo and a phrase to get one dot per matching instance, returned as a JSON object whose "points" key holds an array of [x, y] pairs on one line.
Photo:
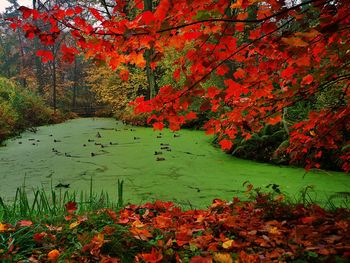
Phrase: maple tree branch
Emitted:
{"points": [[254, 21], [104, 4], [228, 58]]}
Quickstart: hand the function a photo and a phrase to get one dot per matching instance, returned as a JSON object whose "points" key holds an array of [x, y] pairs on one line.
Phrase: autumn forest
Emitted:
{"points": [[175, 131]]}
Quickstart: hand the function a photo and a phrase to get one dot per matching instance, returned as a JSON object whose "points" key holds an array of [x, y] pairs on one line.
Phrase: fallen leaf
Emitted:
{"points": [[53, 255]]}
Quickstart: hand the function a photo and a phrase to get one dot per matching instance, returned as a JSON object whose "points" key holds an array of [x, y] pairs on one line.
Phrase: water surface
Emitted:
{"points": [[193, 172]]}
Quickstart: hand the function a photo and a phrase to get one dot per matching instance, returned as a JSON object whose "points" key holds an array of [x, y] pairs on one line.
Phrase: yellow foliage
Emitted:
{"points": [[111, 89]]}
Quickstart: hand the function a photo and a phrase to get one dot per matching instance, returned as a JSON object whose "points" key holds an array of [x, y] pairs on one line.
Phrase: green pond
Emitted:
{"points": [[193, 172]]}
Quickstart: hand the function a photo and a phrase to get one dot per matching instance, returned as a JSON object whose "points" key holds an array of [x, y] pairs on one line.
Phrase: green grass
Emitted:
{"points": [[50, 205]]}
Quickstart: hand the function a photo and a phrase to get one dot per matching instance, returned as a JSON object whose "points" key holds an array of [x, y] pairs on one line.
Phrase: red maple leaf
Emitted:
{"points": [[308, 79], [226, 144], [71, 207], [45, 55]]}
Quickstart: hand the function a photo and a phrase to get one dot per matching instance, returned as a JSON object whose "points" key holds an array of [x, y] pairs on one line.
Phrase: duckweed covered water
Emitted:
{"points": [[192, 172]]}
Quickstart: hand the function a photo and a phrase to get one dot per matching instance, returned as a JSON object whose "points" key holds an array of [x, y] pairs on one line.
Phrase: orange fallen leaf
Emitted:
{"points": [[3, 227], [53, 255], [222, 258], [74, 224], [23, 223]]}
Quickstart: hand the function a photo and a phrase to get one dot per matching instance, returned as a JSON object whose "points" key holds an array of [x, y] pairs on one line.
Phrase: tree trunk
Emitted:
{"points": [[75, 84], [54, 84], [38, 64], [148, 57], [22, 66]]}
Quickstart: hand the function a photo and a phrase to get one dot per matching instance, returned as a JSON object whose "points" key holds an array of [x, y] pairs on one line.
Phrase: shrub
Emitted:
{"points": [[21, 109]]}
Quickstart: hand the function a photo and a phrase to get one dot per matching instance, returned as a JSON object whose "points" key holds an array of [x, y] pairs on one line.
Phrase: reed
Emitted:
{"points": [[40, 203]]}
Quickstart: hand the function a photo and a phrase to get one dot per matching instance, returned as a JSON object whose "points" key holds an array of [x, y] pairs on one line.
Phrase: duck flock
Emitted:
{"points": [[99, 150]]}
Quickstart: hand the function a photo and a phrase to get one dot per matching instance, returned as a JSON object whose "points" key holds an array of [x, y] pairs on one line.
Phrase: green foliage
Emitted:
{"points": [[266, 146], [20, 109]]}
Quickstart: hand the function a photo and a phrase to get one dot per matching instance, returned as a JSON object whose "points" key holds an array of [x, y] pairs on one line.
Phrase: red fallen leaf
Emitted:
{"points": [[153, 257], [162, 222], [244, 257], [68, 217], [53, 255], [217, 202], [112, 214], [38, 237], [199, 259], [308, 219], [23, 223], [108, 230], [45, 55], [110, 260], [331, 239], [183, 236], [71, 207]]}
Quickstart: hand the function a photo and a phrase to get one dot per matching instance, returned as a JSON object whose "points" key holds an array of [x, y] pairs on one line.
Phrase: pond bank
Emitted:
{"points": [[190, 171]]}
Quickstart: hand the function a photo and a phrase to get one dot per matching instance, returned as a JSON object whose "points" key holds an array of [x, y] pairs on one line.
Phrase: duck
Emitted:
{"points": [[98, 135], [176, 135], [60, 185], [84, 145], [165, 144], [93, 154], [89, 140], [56, 140], [159, 136], [137, 138], [164, 148], [67, 155], [157, 153], [160, 159]]}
